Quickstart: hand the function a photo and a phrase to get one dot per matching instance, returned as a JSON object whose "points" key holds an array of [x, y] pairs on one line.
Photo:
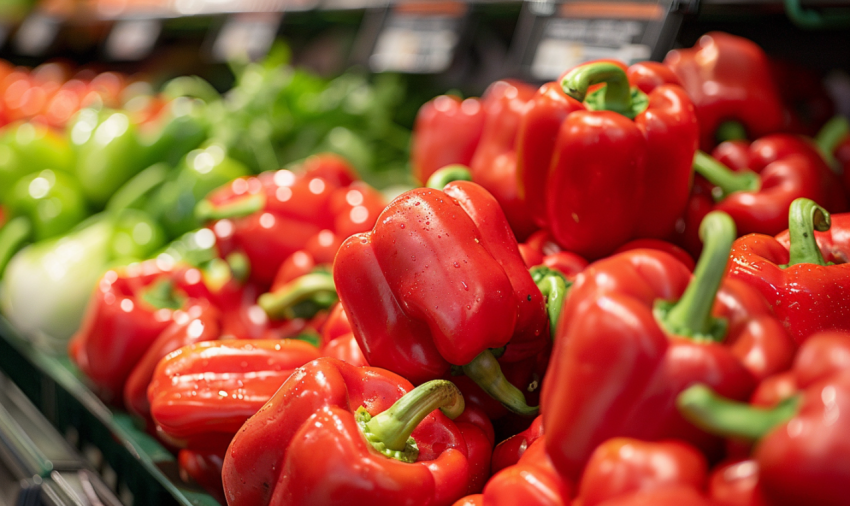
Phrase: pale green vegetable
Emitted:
{"points": [[47, 285]]}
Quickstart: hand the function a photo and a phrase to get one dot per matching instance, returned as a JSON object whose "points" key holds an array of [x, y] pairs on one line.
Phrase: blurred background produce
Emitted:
{"points": [[118, 118]]}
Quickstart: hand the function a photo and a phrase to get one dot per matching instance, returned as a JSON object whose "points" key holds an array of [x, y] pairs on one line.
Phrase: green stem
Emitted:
{"points": [[804, 217], [718, 415], [237, 208], [485, 371], [830, 136], [691, 315], [13, 236], [555, 288], [447, 174], [315, 290], [240, 265], [161, 295], [723, 177], [389, 432], [730, 131], [618, 95]]}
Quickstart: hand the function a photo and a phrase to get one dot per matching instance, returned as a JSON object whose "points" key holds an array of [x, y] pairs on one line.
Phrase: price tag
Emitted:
{"points": [[36, 34], [132, 39], [246, 36], [561, 36], [418, 38]]}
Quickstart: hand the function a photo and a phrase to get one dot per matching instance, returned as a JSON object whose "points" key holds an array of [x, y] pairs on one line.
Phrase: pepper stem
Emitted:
{"points": [[691, 315], [618, 95], [13, 235], [389, 432], [804, 217], [162, 295], [832, 133], [300, 297], [555, 287], [237, 208], [447, 174], [485, 371], [718, 415], [721, 176], [730, 131]]}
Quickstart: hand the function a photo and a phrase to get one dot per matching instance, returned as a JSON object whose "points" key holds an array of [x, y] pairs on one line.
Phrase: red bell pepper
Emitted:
{"points": [[807, 294], [439, 282], [768, 175], [128, 310], [821, 356], [728, 78], [677, 496], [657, 244], [533, 481], [271, 216], [736, 484], [203, 469], [387, 442], [623, 466], [338, 340], [200, 323], [446, 132], [509, 451], [201, 394], [802, 449], [494, 165], [638, 329], [319, 251], [597, 169]]}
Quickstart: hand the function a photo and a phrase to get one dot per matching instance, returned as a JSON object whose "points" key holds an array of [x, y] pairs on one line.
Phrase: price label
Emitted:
{"points": [[561, 36], [36, 34], [132, 39], [418, 38], [246, 36]]}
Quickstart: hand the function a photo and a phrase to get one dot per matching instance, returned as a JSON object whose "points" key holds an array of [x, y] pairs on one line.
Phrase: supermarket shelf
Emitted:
{"points": [[135, 466]]}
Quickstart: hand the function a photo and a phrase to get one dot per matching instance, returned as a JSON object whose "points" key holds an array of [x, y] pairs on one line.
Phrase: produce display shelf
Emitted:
{"points": [[134, 464]]}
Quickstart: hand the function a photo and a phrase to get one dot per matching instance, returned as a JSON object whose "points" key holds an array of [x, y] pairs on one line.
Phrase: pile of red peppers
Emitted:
{"points": [[629, 286]]}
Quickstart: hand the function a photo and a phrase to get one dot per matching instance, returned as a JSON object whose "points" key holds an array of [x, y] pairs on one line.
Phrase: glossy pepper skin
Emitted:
{"points": [[200, 323], [598, 169], [767, 175], [623, 466], [632, 354], [509, 451], [494, 165], [532, 481], [821, 356], [204, 469], [446, 132], [272, 459], [802, 449], [677, 496], [273, 215], [729, 80], [338, 340], [736, 484], [202, 393], [807, 295], [438, 282], [128, 310]]}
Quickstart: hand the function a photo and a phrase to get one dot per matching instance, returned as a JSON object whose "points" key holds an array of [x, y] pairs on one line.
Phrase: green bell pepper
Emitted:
{"points": [[200, 172], [28, 147]]}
